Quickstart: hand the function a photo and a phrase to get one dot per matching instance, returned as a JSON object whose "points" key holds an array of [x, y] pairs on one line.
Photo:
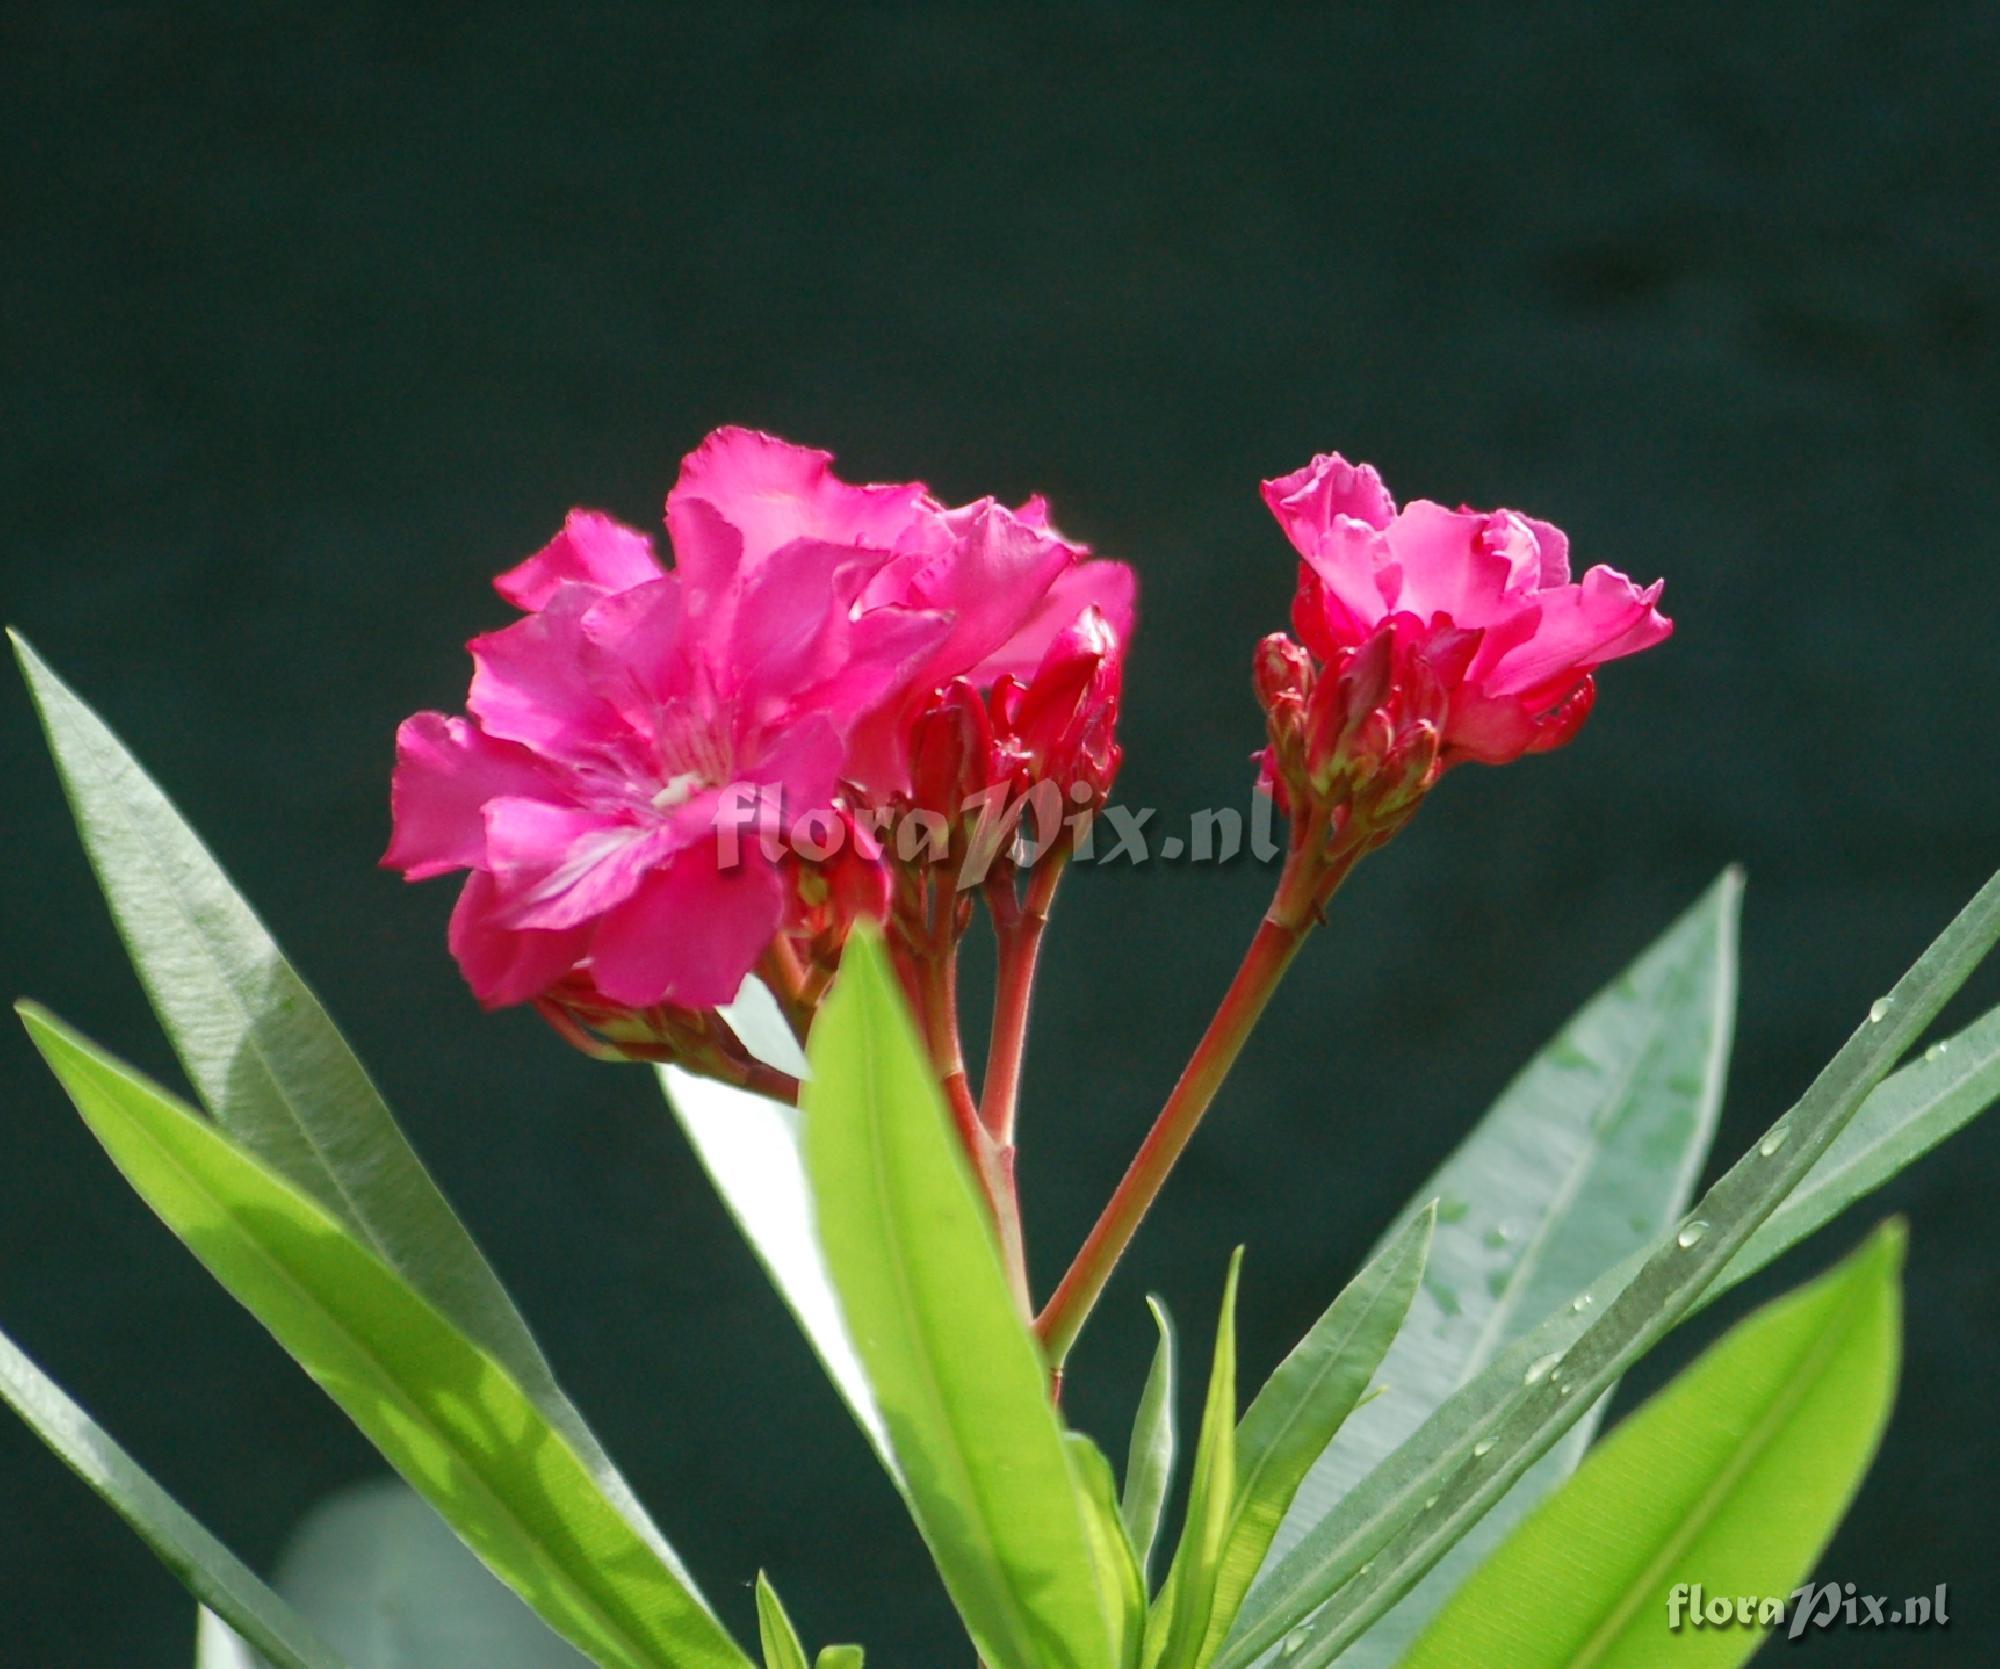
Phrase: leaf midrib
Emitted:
{"points": [[933, 1386], [1804, 1378]]}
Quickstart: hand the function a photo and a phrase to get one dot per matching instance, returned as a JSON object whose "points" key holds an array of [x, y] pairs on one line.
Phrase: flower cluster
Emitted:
{"points": [[805, 640], [1425, 637]]}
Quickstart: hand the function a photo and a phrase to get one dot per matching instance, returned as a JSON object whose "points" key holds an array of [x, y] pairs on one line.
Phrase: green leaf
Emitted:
{"points": [[962, 1389], [1410, 1510], [1588, 1156], [1734, 1477], [268, 1062], [1149, 1459], [444, 1412], [838, 1657], [383, 1577], [1954, 1081], [213, 1574], [1119, 1577], [1181, 1613], [1304, 1402], [782, 1647]]}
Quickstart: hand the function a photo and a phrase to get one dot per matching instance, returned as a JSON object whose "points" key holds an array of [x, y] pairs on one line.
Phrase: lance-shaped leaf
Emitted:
{"points": [[1119, 1577], [1586, 1158], [782, 1647], [267, 1061], [1414, 1507], [962, 1389], [1149, 1459], [1733, 1478], [213, 1574], [443, 1411], [1304, 1402], [1186, 1602]]}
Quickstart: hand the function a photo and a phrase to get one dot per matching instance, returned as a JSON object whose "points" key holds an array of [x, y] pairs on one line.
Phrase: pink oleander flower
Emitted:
{"points": [[622, 739], [1479, 602]]}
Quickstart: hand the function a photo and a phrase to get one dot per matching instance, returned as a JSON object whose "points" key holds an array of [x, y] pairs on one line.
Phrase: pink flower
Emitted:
{"points": [[623, 737], [1483, 600]]}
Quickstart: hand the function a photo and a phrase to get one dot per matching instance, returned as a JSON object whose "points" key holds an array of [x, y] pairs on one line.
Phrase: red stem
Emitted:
{"points": [[1309, 877], [1019, 931], [936, 978]]}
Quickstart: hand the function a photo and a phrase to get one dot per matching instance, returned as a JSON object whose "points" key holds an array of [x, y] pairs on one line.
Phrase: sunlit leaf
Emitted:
{"points": [[961, 1386], [443, 1412]]}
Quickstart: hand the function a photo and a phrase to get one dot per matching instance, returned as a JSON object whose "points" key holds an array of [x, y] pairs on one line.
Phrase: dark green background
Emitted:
{"points": [[316, 316]]}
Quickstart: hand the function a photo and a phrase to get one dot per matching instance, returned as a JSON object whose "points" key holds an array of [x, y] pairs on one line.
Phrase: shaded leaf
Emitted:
{"points": [[1410, 1510], [213, 1574]]}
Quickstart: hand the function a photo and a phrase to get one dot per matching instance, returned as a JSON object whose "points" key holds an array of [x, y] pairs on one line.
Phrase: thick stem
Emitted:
{"points": [[1019, 932], [1309, 876]]}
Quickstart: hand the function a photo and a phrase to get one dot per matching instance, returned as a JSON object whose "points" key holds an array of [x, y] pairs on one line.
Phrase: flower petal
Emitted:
{"points": [[505, 965], [446, 771], [692, 931], [1312, 500], [532, 682], [743, 495], [592, 549], [1112, 588]]}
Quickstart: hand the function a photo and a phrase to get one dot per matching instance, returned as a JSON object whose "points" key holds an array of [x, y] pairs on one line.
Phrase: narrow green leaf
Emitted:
{"points": [[1119, 1577], [962, 1389], [1954, 1081], [782, 1647], [1402, 1518], [838, 1657], [1304, 1402], [383, 1577], [1186, 1601], [268, 1062], [1149, 1460], [1588, 1156], [213, 1574], [444, 1413], [1734, 1477]]}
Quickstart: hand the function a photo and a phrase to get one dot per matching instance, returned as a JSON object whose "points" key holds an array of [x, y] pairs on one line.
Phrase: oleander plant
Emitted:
{"points": [[727, 808]]}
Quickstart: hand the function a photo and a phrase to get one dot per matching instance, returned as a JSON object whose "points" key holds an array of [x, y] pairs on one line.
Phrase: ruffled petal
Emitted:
{"points": [[534, 682], [1604, 617], [560, 866], [592, 549], [1112, 588], [692, 931], [505, 965], [446, 771], [743, 495], [1313, 500], [1452, 563]]}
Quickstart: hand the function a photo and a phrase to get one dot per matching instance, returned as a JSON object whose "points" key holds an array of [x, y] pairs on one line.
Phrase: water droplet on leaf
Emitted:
{"points": [[1691, 1234]]}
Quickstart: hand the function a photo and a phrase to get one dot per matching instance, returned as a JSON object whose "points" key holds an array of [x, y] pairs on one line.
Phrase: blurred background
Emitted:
{"points": [[317, 316]]}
